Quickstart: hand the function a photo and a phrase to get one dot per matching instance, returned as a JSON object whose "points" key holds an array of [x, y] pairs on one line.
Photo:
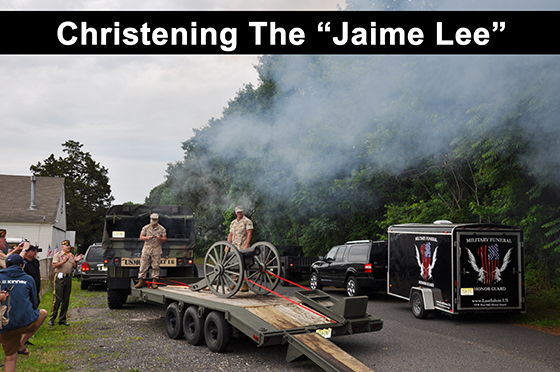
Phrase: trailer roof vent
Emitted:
{"points": [[442, 222]]}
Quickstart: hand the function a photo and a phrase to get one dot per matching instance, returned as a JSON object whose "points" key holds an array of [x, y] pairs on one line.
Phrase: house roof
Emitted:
{"points": [[15, 199]]}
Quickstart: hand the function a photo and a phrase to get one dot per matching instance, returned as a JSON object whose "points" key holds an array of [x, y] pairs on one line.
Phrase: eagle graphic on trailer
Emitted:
{"points": [[489, 272], [426, 261]]}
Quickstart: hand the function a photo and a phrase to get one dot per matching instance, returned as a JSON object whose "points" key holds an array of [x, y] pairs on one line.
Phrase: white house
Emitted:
{"points": [[34, 208]]}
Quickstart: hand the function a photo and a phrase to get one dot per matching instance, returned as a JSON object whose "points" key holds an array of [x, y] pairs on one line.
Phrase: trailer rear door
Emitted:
{"points": [[490, 275]]}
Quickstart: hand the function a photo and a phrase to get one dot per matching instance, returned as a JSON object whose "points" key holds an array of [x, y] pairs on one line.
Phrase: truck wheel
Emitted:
{"points": [[193, 326], [174, 321], [314, 282], [216, 332], [284, 275], [124, 295], [352, 287], [417, 305], [114, 298], [195, 271]]}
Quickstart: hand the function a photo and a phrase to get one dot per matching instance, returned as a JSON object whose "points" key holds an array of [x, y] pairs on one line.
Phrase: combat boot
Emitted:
{"points": [[244, 287], [154, 285], [140, 283]]}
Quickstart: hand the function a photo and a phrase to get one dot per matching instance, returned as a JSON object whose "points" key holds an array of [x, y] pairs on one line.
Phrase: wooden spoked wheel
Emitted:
{"points": [[223, 269], [265, 263]]}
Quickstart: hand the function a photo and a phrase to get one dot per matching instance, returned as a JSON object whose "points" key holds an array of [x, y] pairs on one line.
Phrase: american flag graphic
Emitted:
{"points": [[426, 252], [490, 256]]}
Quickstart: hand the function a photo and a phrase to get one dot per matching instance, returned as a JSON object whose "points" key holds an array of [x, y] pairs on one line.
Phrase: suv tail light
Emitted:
{"points": [[368, 268], [85, 266]]}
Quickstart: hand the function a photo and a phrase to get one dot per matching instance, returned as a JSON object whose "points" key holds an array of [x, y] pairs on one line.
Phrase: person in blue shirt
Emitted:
{"points": [[19, 316]]}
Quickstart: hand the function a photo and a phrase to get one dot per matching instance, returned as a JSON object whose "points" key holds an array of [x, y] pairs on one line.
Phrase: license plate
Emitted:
{"points": [[325, 332], [163, 262], [101, 267]]}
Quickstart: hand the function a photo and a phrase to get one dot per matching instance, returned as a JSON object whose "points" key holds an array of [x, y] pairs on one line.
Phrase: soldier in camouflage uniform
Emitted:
{"points": [[240, 230], [240, 233], [153, 236]]}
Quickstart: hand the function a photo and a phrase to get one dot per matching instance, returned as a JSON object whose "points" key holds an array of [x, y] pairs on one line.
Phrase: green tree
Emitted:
{"points": [[88, 193]]}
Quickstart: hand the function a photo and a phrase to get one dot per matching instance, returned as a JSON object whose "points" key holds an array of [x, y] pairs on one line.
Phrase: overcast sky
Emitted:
{"points": [[131, 113]]}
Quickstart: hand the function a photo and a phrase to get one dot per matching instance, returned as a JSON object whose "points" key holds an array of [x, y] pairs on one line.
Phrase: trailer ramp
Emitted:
{"points": [[350, 311], [323, 352]]}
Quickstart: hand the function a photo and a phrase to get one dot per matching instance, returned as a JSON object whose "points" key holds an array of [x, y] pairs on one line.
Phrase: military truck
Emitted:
{"points": [[294, 263], [122, 247]]}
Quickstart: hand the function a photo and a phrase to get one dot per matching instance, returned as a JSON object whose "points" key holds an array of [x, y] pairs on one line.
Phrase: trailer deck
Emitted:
{"points": [[304, 322]]}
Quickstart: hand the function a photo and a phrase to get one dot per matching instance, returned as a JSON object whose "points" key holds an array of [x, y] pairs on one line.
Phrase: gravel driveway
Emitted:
{"points": [[134, 339]]}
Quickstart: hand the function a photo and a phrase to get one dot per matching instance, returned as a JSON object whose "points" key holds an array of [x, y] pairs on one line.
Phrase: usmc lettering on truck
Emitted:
{"points": [[163, 262]]}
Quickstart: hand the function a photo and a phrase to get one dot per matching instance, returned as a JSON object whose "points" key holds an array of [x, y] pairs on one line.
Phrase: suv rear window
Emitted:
{"points": [[358, 253], [340, 253], [95, 254]]}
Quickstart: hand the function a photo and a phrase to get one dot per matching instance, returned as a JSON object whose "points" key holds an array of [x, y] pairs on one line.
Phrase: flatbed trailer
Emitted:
{"points": [[305, 322]]}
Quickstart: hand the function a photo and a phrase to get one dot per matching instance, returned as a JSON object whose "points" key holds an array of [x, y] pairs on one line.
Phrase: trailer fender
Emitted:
{"points": [[427, 297]]}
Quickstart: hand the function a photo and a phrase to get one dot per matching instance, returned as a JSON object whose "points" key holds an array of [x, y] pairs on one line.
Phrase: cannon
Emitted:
{"points": [[226, 268]]}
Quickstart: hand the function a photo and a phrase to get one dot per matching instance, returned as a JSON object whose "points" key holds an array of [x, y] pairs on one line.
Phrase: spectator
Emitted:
{"points": [[2, 247], [63, 263], [20, 316]]}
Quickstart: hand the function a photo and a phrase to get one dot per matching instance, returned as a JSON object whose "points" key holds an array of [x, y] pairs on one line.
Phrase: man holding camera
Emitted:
{"points": [[32, 267]]}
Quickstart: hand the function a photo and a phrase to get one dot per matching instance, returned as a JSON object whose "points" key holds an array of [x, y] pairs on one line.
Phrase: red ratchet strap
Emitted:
{"points": [[167, 283], [286, 280], [292, 301], [179, 283], [149, 283]]}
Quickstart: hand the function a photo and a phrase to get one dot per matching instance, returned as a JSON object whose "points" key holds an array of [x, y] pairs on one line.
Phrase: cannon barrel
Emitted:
{"points": [[252, 251]]}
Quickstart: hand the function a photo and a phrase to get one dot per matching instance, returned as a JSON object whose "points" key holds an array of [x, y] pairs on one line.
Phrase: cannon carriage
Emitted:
{"points": [[226, 268]]}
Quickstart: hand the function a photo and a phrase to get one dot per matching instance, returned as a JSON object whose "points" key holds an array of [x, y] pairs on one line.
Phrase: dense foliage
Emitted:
{"points": [[88, 194], [333, 148]]}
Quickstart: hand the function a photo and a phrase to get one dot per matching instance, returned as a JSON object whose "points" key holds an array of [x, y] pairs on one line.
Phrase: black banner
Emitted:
{"points": [[278, 32]]}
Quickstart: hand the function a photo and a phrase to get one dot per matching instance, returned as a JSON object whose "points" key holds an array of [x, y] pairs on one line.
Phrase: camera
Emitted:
{"points": [[33, 247]]}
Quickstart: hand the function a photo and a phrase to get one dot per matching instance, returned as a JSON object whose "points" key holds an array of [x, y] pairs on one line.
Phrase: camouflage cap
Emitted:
{"points": [[2, 233], [154, 216], [66, 242], [238, 209]]}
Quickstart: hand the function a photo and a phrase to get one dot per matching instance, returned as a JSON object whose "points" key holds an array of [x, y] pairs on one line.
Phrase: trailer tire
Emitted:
{"points": [[352, 287], [193, 326], [114, 298], [284, 275], [417, 305], [216, 332], [174, 321], [314, 281]]}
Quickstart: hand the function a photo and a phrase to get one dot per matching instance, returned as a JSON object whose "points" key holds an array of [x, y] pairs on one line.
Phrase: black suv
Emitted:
{"points": [[358, 266], [92, 269]]}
